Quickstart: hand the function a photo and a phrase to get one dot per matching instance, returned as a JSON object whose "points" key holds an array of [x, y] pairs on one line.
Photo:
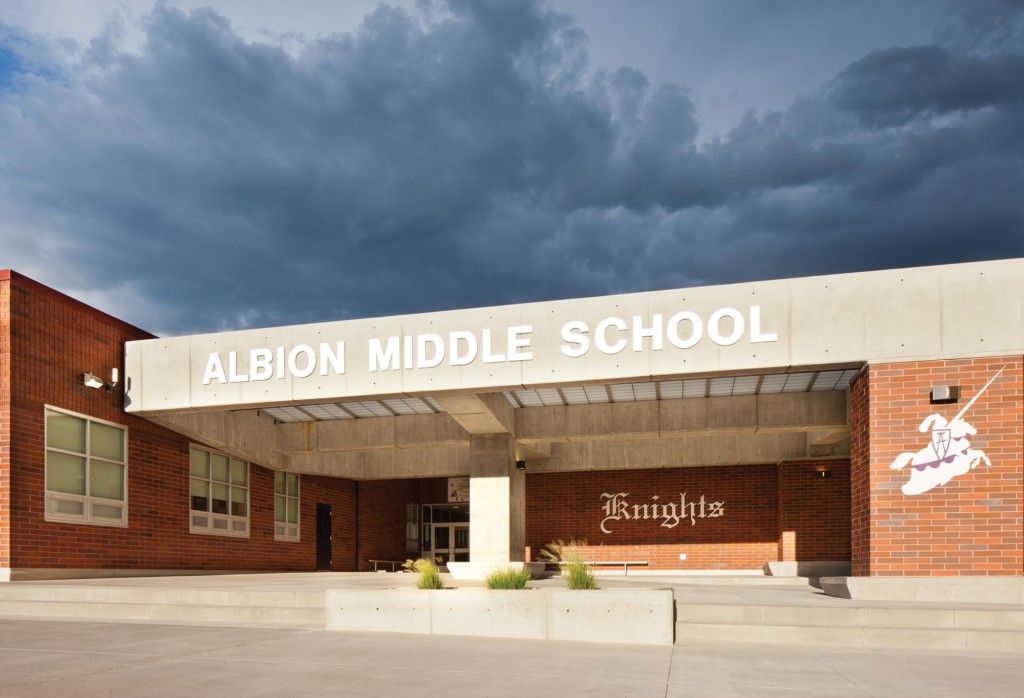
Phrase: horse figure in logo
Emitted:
{"points": [[948, 455]]}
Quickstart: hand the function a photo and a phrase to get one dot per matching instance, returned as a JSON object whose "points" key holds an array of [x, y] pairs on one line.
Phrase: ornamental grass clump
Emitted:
{"points": [[430, 576], [577, 573], [508, 578]]}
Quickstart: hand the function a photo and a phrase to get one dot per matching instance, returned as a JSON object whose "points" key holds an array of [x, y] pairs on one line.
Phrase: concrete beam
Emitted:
{"points": [[486, 413], [533, 451], [828, 437], [795, 412], [677, 451], [670, 433], [257, 438], [378, 433], [246, 434], [390, 464]]}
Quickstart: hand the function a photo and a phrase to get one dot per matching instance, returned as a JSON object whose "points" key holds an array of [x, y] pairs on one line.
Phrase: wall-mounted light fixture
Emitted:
{"points": [[822, 471], [520, 465], [945, 394], [90, 380]]}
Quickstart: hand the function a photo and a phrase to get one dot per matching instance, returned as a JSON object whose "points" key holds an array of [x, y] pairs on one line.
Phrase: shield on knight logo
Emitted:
{"points": [[940, 442]]}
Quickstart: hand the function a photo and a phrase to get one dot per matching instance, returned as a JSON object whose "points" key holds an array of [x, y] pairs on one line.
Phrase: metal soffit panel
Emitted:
{"points": [[361, 409], [721, 386]]}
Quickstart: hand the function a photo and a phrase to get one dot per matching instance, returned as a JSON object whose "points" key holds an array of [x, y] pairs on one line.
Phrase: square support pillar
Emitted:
{"points": [[497, 508]]}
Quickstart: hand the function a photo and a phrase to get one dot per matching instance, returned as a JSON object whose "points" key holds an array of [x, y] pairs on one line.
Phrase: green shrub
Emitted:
{"points": [[430, 576], [508, 579], [577, 573]]}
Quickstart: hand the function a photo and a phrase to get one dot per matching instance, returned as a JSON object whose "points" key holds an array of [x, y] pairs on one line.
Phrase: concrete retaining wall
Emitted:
{"points": [[1002, 590], [808, 568], [635, 616]]}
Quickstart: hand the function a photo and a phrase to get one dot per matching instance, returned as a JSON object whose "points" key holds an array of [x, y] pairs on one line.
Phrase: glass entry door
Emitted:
{"points": [[446, 533], [451, 543]]}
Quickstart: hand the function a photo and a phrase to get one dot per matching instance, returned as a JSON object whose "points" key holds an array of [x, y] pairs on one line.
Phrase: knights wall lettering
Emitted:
{"points": [[670, 513], [948, 453]]}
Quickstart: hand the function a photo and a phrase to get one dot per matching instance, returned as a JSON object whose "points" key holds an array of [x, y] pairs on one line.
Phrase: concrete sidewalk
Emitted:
{"points": [[44, 658]]}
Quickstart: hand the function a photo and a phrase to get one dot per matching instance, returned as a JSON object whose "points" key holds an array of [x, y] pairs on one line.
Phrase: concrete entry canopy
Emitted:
{"points": [[233, 390], [903, 315]]}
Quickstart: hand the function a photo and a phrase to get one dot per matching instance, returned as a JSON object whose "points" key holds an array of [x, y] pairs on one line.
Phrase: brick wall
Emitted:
{"points": [[770, 513], [382, 516], [340, 494], [5, 420], [860, 500], [53, 339], [814, 512], [382, 520], [973, 524], [570, 506], [434, 490]]}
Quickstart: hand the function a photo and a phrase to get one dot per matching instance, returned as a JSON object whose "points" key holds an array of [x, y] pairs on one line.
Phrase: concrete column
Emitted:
{"points": [[497, 508], [497, 503]]}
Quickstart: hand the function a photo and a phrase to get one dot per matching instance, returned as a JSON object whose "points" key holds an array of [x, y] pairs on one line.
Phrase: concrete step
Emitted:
{"points": [[716, 580], [988, 629], [178, 605]]}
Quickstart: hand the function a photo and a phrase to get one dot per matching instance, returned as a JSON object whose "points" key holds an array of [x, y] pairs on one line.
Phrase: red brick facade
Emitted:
{"points": [[382, 520], [973, 524], [382, 517], [813, 511], [53, 340], [860, 500], [749, 531], [720, 518], [5, 419]]}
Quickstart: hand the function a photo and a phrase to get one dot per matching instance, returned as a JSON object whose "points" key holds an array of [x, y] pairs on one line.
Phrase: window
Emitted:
{"points": [[412, 527], [85, 470], [286, 506], [220, 494]]}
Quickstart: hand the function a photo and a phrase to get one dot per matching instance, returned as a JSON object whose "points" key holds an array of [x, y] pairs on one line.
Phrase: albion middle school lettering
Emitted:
{"points": [[611, 335]]}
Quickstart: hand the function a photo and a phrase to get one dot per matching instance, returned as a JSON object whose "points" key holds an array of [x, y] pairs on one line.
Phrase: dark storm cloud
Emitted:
{"points": [[471, 156], [891, 87], [982, 26]]}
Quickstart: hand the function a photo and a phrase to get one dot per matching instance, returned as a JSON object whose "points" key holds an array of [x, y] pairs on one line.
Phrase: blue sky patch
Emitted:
{"points": [[9, 66]]}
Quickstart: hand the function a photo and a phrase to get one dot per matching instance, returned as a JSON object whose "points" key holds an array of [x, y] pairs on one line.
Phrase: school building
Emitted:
{"points": [[869, 424]]}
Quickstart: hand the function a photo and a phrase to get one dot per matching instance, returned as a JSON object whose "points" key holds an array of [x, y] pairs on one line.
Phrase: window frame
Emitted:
{"points": [[284, 531], [230, 529], [413, 517], [51, 497]]}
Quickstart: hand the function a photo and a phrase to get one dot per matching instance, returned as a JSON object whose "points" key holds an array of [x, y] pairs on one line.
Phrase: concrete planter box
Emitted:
{"points": [[634, 616]]}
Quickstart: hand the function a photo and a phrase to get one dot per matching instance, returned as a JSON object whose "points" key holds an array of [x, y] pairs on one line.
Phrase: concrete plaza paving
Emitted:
{"points": [[49, 658]]}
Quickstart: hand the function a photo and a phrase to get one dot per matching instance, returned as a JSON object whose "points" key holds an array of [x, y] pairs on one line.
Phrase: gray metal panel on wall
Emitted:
{"points": [[898, 315]]}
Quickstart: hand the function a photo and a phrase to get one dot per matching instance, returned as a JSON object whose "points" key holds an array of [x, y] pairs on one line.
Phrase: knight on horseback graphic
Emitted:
{"points": [[948, 454]]}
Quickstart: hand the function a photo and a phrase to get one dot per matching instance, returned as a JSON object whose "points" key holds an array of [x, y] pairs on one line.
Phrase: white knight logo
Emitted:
{"points": [[948, 453]]}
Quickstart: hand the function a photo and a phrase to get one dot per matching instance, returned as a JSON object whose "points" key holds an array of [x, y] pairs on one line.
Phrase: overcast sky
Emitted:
{"points": [[196, 166]]}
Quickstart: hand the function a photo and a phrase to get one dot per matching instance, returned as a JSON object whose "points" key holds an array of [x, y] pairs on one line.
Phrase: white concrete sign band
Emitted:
{"points": [[907, 314]]}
